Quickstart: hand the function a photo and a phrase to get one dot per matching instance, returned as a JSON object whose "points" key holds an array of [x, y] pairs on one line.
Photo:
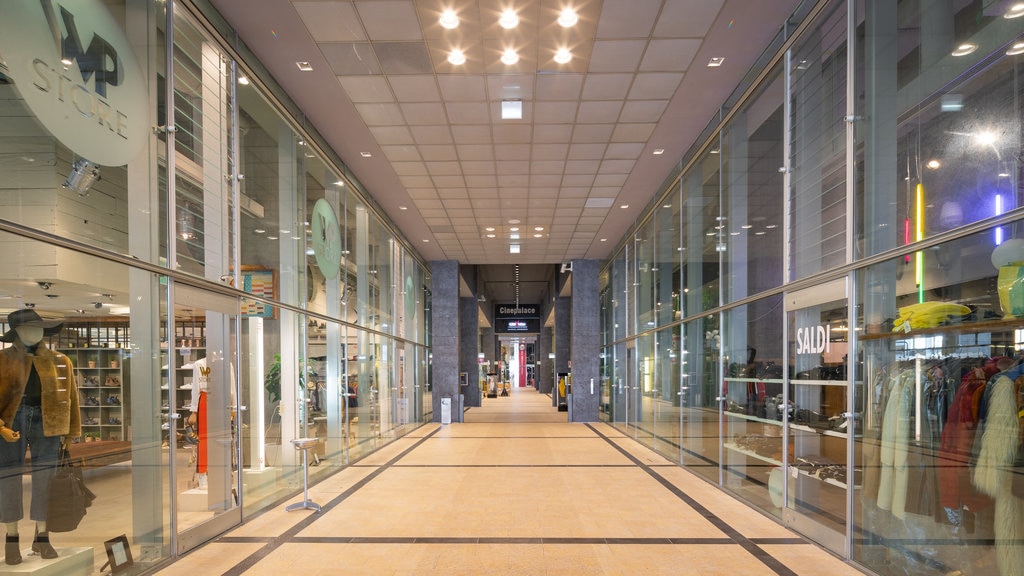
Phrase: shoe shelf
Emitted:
{"points": [[181, 389], [100, 375]]}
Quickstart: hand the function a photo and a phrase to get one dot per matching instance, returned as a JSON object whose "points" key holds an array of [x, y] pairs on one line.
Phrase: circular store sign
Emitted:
{"points": [[77, 72]]}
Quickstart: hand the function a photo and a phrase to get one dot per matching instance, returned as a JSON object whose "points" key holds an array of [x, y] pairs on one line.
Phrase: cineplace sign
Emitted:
{"points": [[77, 72]]}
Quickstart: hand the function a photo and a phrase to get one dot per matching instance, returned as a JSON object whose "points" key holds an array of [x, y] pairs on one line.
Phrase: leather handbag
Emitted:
{"points": [[69, 496]]}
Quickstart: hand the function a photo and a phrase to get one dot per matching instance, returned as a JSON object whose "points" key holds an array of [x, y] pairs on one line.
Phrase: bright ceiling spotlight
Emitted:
{"points": [[563, 56], [509, 19], [964, 49], [568, 18], [985, 138], [1015, 11], [509, 57], [456, 57], [1016, 49], [449, 19]]}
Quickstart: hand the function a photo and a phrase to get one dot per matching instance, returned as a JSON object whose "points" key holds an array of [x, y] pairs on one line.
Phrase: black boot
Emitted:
{"points": [[12, 551], [41, 545]]}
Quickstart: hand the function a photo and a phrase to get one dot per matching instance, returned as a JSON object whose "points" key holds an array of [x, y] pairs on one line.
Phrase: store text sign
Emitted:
{"points": [[77, 72], [510, 318], [813, 339]]}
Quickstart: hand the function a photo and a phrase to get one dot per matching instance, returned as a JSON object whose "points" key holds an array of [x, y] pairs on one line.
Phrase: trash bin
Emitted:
{"points": [[446, 410]]}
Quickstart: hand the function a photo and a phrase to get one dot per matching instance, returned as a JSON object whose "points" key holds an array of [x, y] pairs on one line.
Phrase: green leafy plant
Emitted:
{"points": [[272, 381]]}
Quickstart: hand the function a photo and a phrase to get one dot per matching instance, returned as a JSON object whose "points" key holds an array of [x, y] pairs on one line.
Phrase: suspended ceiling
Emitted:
{"points": [[426, 137]]}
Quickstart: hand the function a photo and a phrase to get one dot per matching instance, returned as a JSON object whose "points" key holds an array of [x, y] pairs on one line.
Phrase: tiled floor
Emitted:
{"points": [[513, 490]]}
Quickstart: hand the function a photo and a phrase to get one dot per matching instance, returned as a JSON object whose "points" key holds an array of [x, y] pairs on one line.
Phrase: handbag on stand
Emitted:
{"points": [[69, 496]]}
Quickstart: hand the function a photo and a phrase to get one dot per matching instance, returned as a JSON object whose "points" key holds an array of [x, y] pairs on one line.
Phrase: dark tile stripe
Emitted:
{"points": [[276, 542], [497, 540], [767, 559]]}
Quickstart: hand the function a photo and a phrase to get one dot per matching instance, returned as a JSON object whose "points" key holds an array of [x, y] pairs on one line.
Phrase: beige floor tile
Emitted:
{"points": [[212, 558]]}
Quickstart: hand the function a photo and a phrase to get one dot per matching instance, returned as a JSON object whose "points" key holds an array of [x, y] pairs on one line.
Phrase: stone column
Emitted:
{"points": [[469, 338], [445, 340], [586, 340]]}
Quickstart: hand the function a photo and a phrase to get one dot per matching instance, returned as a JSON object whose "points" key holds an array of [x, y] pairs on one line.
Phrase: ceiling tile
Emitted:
{"points": [[475, 134], [624, 150], [558, 87], [416, 181], [596, 112], [577, 180], [501, 86], [593, 151], [412, 88], [423, 113], [592, 133], [512, 151], [468, 112], [616, 166], [431, 134], [547, 167], [655, 86], [390, 20], [403, 57], [380, 114], [554, 112], [617, 55], [410, 168], [513, 184], [610, 180], [511, 134], [422, 196], [670, 55], [643, 110], [551, 133], [627, 18], [606, 86], [484, 193], [687, 19], [350, 59], [461, 88], [450, 181], [401, 153], [513, 166], [632, 132], [481, 181], [438, 152], [474, 152], [540, 180], [604, 192], [443, 168], [387, 135], [330, 21], [366, 88], [584, 166], [478, 167], [550, 151]]}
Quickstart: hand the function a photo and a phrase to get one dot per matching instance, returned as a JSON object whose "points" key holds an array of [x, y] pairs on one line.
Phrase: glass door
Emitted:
{"points": [[815, 410], [201, 395]]}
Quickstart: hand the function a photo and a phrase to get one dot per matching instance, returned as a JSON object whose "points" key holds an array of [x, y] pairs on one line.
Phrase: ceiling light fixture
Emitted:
{"points": [[964, 49], [82, 176], [514, 229], [304, 66], [449, 19], [489, 228], [509, 57], [563, 56], [513, 248], [624, 206], [1015, 11], [538, 228], [243, 80], [716, 62], [568, 18], [403, 207], [509, 19], [514, 221], [1016, 49], [659, 151], [366, 155], [339, 183], [538, 235], [456, 57], [933, 164], [490, 235], [512, 109]]}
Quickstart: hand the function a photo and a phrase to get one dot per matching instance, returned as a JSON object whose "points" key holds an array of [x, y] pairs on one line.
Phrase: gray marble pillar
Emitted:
{"points": [[469, 338], [586, 340], [445, 339]]}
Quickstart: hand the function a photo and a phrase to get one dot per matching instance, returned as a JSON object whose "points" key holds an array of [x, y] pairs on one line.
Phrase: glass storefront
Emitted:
{"points": [[846, 279], [207, 281]]}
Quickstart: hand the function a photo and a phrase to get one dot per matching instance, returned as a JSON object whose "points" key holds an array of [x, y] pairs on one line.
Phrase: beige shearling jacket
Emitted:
{"points": [[61, 414]]}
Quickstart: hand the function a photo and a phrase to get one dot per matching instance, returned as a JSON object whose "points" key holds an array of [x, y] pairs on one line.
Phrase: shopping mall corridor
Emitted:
{"points": [[513, 490]]}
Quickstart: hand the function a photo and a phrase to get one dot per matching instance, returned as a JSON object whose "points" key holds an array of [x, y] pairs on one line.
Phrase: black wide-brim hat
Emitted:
{"points": [[29, 317]]}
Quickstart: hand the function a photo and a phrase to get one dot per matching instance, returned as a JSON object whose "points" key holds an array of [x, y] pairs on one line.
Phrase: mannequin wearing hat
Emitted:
{"points": [[38, 409]]}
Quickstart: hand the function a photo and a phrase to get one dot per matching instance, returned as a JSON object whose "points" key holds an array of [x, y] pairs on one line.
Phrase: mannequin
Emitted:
{"points": [[197, 418], [38, 409]]}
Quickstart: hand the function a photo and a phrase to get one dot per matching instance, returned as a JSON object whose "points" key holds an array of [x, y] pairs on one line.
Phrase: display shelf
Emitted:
{"points": [[993, 325], [100, 374], [751, 453], [752, 418]]}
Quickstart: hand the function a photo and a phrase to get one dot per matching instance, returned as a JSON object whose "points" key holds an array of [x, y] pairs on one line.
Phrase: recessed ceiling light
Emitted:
{"points": [[604, 239], [514, 236], [425, 240], [624, 206], [509, 19], [456, 57], [538, 235], [271, 237], [509, 57], [514, 221], [1015, 11], [403, 207], [666, 205], [563, 56], [934, 164], [538, 228], [339, 183], [514, 229], [716, 62], [489, 228], [449, 19], [304, 66], [512, 109], [659, 151], [366, 155], [747, 226], [1016, 49], [964, 49], [490, 235], [243, 80], [259, 230], [513, 248], [567, 18]]}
